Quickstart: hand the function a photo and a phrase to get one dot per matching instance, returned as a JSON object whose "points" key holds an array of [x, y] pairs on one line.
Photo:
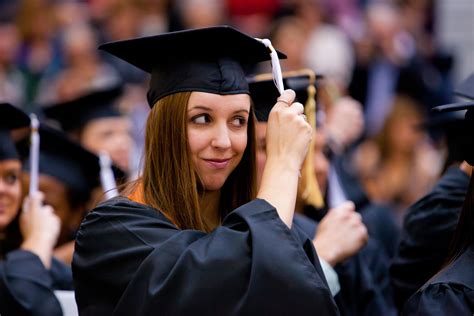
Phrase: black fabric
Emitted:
{"points": [[206, 60], [264, 93], [381, 225], [27, 287], [451, 292], [7, 146], [10, 118], [427, 230], [75, 114], [364, 280], [131, 260], [464, 89]]}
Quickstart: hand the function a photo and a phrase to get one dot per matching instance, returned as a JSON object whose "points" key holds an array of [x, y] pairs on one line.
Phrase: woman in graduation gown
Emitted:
{"points": [[451, 291], [28, 272], [193, 237]]}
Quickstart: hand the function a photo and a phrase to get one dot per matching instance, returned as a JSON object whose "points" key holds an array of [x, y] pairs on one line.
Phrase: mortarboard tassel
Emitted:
{"points": [[276, 68], [34, 154], [309, 184], [107, 176]]}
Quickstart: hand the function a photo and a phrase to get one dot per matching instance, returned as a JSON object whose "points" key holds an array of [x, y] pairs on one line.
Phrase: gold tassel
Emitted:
{"points": [[310, 192]]}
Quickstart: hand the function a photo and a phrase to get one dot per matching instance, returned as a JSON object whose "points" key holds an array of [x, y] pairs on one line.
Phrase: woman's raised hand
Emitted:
{"points": [[40, 228], [288, 138], [288, 133]]}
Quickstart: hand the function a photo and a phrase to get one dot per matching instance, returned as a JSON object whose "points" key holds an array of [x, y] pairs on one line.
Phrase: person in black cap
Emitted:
{"points": [[28, 271], [340, 237], [192, 236], [451, 290], [68, 175], [429, 224], [94, 120]]}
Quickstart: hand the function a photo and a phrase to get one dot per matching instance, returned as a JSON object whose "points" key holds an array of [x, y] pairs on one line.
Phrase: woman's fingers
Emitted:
{"points": [[286, 98]]}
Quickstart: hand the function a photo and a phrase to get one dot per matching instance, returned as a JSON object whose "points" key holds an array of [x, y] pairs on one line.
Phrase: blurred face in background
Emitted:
{"points": [[10, 191], [9, 44], [112, 136], [201, 13], [290, 36]]}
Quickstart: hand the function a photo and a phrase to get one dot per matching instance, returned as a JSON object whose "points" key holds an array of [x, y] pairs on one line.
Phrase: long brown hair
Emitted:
{"points": [[169, 182]]}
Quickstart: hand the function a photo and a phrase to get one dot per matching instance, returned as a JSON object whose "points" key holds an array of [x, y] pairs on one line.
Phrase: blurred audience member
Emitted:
{"points": [[40, 52], [83, 70], [399, 165], [12, 81]]}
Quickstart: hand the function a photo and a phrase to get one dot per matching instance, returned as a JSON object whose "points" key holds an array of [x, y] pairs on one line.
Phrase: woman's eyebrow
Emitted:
{"points": [[200, 107], [242, 110]]}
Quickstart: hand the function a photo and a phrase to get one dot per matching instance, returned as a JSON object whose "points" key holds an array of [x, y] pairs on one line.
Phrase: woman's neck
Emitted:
{"points": [[209, 203]]}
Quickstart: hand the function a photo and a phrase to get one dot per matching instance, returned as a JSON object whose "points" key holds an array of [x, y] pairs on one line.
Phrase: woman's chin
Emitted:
{"points": [[213, 184]]}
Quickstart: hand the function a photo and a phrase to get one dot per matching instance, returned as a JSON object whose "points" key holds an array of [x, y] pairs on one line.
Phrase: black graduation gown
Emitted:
{"points": [[27, 287], [427, 231], [449, 293], [364, 280], [381, 225], [131, 260]]}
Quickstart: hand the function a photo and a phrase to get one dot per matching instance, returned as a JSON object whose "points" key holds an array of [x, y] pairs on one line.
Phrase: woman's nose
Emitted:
{"points": [[221, 137]]}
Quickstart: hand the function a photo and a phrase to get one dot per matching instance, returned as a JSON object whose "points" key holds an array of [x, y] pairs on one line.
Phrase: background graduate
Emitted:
{"points": [[29, 274], [194, 236], [340, 236], [68, 176], [94, 120], [451, 290], [429, 224]]}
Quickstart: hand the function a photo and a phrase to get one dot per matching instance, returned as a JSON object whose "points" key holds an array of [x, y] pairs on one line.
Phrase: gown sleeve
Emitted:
{"points": [[61, 275], [441, 299], [26, 286], [251, 265]]}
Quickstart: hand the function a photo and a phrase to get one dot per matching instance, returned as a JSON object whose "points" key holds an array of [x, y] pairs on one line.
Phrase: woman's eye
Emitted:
{"points": [[11, 178], [201, 119], [239, 121]]}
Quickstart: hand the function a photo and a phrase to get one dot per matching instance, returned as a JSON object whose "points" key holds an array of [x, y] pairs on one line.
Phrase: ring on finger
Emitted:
{"points": [[280, 99]]}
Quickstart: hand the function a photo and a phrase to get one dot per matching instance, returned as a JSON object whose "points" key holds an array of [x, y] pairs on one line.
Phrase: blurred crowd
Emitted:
{"points": [[380, 53], [380, 72]]}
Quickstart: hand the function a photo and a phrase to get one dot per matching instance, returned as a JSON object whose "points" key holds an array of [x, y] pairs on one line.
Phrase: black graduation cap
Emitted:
{"points": [[264, 93], [465, 89], [10, 118], [76, 113], [206, 60], [65, 160]]}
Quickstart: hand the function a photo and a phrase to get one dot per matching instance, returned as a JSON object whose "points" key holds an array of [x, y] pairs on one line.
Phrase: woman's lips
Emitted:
{"points": [[217, 163]]}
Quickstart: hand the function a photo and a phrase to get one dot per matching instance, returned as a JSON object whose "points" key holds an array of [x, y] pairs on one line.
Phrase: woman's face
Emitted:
{"points": [[10, 190], [217, 135], [111, 135]]}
